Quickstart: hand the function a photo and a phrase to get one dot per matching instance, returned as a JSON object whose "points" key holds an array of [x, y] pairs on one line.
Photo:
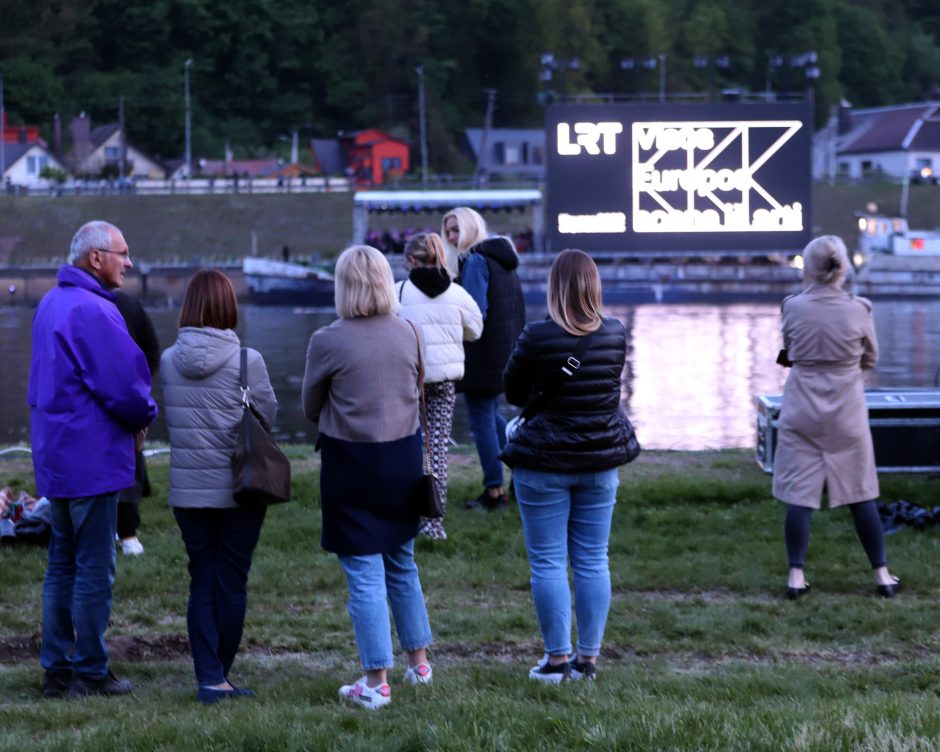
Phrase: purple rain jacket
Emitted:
{"points": [[89, 391]]}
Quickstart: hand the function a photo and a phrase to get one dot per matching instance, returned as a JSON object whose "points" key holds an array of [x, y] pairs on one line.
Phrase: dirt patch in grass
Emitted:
{"points": [[156, 648]]}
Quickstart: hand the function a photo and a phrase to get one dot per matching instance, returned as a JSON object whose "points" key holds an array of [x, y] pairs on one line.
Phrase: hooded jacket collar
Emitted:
{"points": [[432, 281], [201, 351], [73, 276], [500, 250]]}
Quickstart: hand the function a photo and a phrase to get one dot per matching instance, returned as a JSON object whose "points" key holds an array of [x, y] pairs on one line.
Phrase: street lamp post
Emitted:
{"points": [[3, 122], [189, 150], [662, 77], [422, 124]]}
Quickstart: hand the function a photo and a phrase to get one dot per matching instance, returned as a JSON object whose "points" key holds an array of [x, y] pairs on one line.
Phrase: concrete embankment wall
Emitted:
{"points": [[624, 280]]}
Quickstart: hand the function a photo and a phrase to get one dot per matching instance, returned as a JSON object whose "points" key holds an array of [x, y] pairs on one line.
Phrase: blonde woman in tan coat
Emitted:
{"points": [[824, 438]]}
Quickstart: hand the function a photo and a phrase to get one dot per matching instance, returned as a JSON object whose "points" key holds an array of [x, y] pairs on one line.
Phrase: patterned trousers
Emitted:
{"points": [[439, 399]]}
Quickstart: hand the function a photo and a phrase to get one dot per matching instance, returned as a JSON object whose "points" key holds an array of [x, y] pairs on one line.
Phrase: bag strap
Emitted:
{"points": [[400, 291], [243, 376], [423, 407], [568, 369]]}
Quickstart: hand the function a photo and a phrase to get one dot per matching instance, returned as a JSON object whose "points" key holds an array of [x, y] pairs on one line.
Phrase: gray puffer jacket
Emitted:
{"points": [[202, 406]]}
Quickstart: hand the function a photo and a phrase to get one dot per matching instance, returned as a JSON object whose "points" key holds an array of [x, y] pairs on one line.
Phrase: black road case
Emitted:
{"points": [[905, 428]]}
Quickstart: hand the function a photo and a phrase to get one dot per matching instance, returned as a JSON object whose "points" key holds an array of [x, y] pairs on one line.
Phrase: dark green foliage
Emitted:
{"points": [[263, 69]]}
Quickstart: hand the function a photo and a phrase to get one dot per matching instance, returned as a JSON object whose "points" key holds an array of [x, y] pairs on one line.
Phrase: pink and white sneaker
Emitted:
{"points": [[360, 694], [420, 674]]}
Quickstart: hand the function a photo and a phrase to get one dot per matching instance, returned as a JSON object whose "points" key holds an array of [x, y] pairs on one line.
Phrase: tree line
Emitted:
{"points": [[264, 68]]}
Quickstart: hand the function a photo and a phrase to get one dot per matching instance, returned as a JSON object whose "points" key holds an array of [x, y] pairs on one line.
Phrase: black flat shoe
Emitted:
{"points": [[889, 591], [796, 592]]}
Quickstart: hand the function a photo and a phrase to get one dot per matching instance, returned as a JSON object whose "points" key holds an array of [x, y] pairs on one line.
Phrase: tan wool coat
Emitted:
{"points": [[824, 438]]}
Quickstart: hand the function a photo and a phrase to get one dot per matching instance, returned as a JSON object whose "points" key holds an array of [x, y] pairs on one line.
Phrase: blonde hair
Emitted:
{"points": [[825, 261], [426, 249], [574, 293], [470, 225], [364, 283]]}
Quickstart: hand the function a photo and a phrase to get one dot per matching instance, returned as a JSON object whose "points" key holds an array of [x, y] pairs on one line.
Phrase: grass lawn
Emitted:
{"points": [[702, 652]]}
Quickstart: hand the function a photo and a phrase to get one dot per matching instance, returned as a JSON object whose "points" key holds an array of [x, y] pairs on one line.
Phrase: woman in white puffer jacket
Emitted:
{"points": [[448, 317]]}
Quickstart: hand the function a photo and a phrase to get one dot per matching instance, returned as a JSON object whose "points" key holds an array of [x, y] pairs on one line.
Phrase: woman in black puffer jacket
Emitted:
{"points": [[565, 460]]}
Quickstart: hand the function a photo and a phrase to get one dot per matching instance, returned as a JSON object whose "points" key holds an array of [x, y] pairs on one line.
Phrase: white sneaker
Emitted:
{"points": [[360, 694], [132, 546], [545, 672], [420, 674]]}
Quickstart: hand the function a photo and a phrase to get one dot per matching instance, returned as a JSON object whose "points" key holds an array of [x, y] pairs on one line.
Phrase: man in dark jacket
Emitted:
{"points": [[89, 397], [488, 273], [142, 331]]}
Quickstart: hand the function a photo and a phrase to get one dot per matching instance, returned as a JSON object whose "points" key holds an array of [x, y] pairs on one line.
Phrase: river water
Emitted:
{"points": [[690, 380]]}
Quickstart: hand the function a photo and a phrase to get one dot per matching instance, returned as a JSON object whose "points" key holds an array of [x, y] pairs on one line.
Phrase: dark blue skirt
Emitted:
{"points": [[367, 494]]}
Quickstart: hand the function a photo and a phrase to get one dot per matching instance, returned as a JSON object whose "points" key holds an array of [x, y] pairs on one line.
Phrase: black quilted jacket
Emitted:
{"points": [[582, 429]]}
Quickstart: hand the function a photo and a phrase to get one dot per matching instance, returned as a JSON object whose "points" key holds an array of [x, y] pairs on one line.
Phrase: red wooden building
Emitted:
{"points": [[374, 156]]}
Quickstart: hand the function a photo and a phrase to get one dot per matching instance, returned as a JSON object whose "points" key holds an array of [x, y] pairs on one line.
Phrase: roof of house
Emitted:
{"points": [[894, 128], [102, 133], [13, 153], [474, 136], [254, 168], [329, 155]]}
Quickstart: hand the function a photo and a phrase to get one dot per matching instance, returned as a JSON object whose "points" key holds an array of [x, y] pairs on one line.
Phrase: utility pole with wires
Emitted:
{"points": [[122, 147], [3, 124], [483, 161]]}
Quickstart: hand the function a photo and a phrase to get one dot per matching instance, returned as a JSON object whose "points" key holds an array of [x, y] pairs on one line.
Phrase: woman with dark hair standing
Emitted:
{"points": [[565, 458], [486, 268], [361, 388], [203, 408], [824, 438], [448, 317]]}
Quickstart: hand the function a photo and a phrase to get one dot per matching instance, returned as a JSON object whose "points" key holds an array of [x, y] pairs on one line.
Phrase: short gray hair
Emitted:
{"points": [[91, 235], [364, 283], [826, 261]]}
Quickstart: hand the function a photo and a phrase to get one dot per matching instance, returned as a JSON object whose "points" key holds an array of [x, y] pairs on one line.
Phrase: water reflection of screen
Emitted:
{"points": [[695, 370]]}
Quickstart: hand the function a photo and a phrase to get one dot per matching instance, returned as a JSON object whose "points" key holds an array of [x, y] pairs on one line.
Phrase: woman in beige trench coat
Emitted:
{"points": [[824, 438]]}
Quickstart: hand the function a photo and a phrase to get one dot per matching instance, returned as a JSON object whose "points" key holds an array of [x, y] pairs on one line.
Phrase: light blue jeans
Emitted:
{"points": [[488, 427], [375, 581], [568, 515]]}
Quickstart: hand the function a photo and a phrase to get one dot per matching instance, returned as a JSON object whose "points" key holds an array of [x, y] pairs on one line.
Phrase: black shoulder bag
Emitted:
{"points": [[261, 470], [427, 498]]}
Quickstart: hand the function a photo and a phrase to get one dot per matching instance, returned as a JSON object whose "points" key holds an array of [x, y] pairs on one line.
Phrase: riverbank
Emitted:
{"points": [[701, 651], [36, 231]]}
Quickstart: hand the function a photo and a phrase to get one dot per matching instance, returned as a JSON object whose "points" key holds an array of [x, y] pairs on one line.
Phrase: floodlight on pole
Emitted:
{"points": [[189, 150]]}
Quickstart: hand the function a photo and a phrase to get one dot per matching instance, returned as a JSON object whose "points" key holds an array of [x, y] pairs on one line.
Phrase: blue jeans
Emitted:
{"points": [[489, 435], [76, 593], [375, 580], [568, 515], [220, 544]]}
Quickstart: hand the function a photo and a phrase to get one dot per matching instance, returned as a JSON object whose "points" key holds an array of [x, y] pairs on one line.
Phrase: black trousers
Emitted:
{"points": [[128, 519], [220, 544]]}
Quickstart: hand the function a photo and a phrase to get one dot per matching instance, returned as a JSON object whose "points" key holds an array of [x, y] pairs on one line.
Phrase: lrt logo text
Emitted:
{"points": [[591, 138]]}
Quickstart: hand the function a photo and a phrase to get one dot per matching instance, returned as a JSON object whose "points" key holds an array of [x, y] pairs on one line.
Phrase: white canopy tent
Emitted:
{"points": [[365, 202]]}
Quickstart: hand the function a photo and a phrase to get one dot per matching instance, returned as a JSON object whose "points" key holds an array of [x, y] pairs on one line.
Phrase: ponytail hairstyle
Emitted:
{"points": [[574, 293], [426, 249]]}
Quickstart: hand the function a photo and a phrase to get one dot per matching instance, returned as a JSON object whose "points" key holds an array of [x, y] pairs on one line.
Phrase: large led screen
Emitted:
{"points": [[662, 178]]}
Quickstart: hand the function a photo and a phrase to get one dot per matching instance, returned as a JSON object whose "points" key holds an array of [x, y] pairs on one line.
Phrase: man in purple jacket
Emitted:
{"points": [[89, 398]]}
